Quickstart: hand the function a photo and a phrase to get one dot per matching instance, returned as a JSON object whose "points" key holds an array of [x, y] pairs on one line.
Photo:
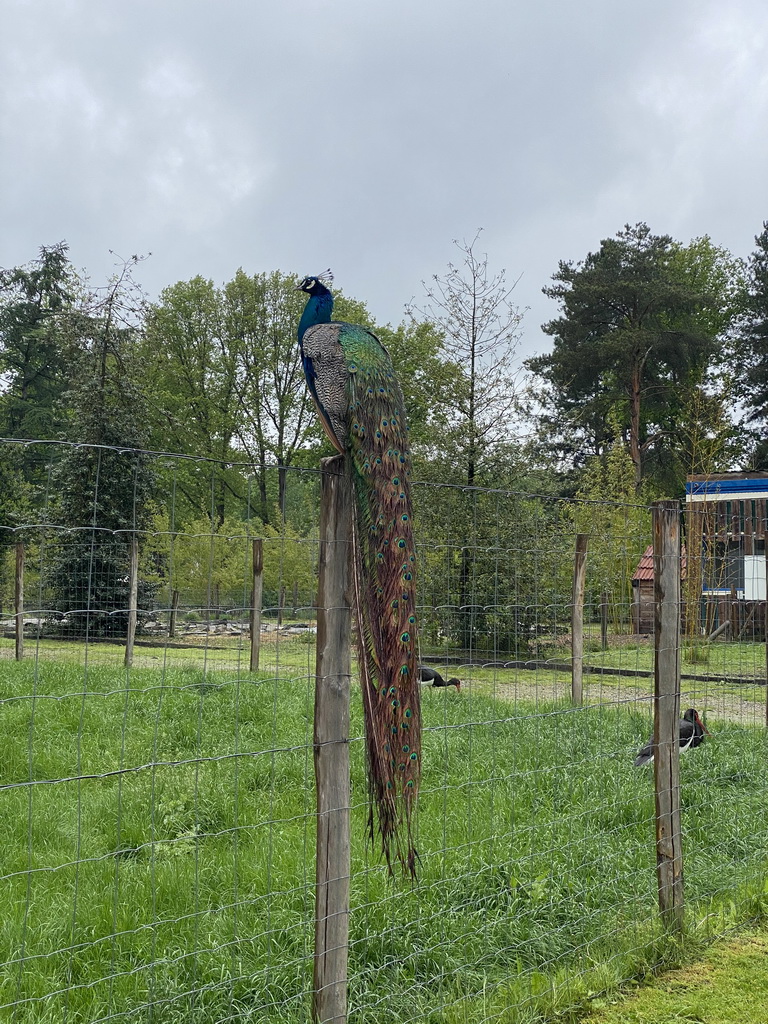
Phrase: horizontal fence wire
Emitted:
{"points": [[157, 803]]}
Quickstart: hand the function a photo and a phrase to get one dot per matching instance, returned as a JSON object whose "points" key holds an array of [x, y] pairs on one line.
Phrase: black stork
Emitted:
{"points": [[692, 731], [428, 676]]}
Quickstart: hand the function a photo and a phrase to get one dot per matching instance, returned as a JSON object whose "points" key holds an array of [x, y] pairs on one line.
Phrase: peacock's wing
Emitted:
{"points": [[326, 372]]}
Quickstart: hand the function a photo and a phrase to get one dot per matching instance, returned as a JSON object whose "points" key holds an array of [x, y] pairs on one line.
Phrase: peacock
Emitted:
{"points": [[351, 380]]}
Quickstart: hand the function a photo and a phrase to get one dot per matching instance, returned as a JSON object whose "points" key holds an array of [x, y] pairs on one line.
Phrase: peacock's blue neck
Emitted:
{"points": [[318, 310]]}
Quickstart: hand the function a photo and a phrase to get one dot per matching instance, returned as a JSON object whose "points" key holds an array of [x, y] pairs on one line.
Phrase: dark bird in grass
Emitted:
{"points": [[692, 731], [360, 404], [430, 677]]}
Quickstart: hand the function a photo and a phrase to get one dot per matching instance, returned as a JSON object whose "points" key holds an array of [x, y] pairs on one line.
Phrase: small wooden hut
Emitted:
{"points": [[642, 591]]}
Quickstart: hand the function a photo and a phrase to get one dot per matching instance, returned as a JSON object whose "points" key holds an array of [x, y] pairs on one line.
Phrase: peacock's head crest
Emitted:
{"points": [[317, 284]]}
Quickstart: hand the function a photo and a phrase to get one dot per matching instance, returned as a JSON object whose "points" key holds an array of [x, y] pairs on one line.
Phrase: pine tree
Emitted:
{"points": [[752, 344]]}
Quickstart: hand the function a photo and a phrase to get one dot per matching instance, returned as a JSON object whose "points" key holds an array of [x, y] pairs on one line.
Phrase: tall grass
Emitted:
{"points": [[157, 852]]}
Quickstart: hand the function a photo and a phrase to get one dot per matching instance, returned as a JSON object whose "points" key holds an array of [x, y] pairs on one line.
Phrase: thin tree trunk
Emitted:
{"points": [[634, 426]]}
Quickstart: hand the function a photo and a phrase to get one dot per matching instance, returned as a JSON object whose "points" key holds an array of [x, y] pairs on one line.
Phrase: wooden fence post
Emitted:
{"points": [[133, 592], [331, 746], [666, 710], [604, 620], [577, 617], [19, 600], [733, 613], [257, 590]]}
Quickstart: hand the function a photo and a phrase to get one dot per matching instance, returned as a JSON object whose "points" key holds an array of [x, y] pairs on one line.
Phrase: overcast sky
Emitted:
{"points": [[365, 136]]}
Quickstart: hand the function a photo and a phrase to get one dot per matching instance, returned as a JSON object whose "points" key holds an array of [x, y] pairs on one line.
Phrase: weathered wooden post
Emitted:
{"points": [[733, 613], [577, 617], [331, 746], [604, 620], [133, 592], [18, 600], [257, 590], [666, 710]]}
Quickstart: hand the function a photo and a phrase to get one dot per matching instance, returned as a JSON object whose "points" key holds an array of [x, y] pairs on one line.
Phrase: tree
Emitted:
{"points": [[103, 480], [227, 386], [751, 347], [641, 321], [192, 393], [212, 567], [431, 385], [275, 420], [618, 526], [472, 310], [33, 359]]}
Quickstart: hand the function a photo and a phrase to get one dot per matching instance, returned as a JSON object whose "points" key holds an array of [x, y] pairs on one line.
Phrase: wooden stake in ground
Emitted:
{"points": [[666, 710], [19, 600], [577, 617], [331, 745], [257, 590], [174, 613], [133, 597]]}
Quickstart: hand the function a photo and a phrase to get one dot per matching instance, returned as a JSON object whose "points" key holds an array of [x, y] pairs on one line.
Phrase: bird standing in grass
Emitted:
{"points": [[691, 734], [352, 382], [431, 677]]}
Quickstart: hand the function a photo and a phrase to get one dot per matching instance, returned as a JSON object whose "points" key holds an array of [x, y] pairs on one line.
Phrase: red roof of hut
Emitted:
{"points": [[644, 570]]}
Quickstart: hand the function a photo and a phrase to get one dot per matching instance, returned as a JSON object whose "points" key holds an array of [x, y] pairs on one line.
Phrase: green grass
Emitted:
{"points": [[161, 867], [728, 985], [724, 658]]}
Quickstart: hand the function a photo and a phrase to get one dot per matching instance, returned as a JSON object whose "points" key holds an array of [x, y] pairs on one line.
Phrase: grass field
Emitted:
{"points": [[158, 837], [728, 985]]}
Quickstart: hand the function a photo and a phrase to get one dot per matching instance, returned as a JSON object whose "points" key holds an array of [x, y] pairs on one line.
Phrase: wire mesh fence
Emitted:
{"points": [[157, 797]]}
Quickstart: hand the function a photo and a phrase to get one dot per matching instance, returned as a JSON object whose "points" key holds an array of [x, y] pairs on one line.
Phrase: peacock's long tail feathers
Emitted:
{"points": [[385, 583]]}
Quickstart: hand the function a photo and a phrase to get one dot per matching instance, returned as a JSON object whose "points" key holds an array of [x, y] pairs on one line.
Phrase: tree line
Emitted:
{"points": [[658, 368]]}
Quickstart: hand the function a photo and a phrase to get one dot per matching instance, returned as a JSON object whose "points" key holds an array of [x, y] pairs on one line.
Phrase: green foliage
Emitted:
{"points": [[431, 385], [224, 373], [752, 345], [213, 568], [103, 481], [489, 566], [641, 324], [618, 526], [101, 495], [36, 366], [34, 301]]}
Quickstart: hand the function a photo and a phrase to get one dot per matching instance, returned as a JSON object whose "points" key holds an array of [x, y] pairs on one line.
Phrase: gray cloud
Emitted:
{"points": [[366, 136]]}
